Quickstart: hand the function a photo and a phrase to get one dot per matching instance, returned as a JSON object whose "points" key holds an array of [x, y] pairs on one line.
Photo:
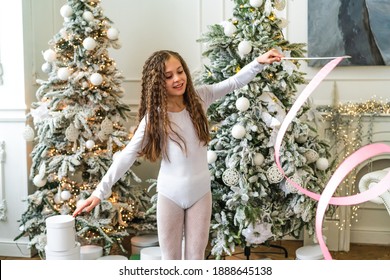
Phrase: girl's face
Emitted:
{"points": [[175, 77]]}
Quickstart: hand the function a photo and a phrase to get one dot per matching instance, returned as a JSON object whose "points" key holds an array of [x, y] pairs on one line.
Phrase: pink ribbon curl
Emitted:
{"points": [[341, 172]]}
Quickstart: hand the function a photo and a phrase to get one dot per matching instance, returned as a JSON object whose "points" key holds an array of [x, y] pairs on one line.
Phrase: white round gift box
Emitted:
{"points": [[90, 252], [72, 254], [61, 233], [151, 253], [112, 257], [309, 252], [143, 241]]}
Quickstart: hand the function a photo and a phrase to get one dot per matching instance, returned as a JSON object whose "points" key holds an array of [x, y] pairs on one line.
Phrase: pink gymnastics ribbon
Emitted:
{"points": [[345, 167]]}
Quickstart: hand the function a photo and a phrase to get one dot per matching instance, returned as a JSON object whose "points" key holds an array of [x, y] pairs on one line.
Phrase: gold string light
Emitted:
{"points": [[344, 120]]}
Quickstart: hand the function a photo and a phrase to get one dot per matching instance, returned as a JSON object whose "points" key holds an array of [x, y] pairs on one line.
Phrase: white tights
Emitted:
{"points": [[172, 221]]}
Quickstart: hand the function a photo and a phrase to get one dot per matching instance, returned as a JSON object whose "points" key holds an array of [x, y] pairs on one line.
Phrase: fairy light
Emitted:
{"points": [[345, 124]]}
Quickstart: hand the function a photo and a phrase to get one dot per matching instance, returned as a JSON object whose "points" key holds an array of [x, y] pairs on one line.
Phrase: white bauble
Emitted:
{"points": [[66, 195], [112, 33], [301, 138], [258, 159], [211, 157], [64, 33], [89, 43], [46, 67], [66, 11], [88, 16], [72, 133], [322, 163], [50, 55], [311, 156], [96, 79], [107, 127], [229, 29], [28, 133], [57, 198], [244, 47], [238, 131], [85, 84], [39, 181], [242, 104], [283, 23], [256, 3], [280, 5], [90, 144], [63, 73]]}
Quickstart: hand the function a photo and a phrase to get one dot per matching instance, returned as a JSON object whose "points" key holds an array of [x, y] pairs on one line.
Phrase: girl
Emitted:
{"points": [[173, 126]]}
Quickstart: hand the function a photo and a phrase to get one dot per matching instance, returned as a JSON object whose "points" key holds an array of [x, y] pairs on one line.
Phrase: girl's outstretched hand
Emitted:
{"points": [[87, 205], [270, 57]]}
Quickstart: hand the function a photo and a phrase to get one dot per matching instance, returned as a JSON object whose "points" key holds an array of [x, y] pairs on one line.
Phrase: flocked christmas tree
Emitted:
{"points": [[80, 124], [252, 202]]}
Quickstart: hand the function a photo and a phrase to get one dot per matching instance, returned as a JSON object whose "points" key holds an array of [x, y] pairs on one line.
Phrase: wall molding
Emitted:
{"points": [[12, 114], [3, 204]]}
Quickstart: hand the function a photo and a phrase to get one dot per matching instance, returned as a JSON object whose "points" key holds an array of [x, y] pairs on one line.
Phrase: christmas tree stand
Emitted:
{"points": [[247, 250]]}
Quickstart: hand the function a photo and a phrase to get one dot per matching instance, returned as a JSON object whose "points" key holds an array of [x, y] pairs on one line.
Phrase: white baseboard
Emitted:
{"points": [[10, 248], [370, 237]]}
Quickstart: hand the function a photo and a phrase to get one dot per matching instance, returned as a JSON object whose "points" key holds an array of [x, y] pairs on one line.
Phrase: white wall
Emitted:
{"points": [[145, 26], [13, 171]]}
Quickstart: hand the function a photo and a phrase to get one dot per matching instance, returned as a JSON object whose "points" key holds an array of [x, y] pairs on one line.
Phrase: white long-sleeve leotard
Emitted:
{"points": [[185, 177]]}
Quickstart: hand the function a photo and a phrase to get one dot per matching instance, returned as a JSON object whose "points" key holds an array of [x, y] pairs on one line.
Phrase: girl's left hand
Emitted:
{"points": [[270, 57]]}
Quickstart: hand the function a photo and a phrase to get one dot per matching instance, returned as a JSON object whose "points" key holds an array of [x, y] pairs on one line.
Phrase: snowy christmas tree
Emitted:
{"points": [[80, 125], [252, 202]]}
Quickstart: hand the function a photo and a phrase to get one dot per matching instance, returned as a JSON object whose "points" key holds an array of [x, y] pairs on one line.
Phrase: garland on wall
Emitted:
{"points": [[346, 129]]}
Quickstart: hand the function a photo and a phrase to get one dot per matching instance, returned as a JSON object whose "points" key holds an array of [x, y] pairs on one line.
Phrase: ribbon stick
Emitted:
{"points": [[315, 58], [341, 172]]}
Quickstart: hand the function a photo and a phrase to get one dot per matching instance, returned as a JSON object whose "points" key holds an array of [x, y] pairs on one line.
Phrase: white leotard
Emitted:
{"points": [[185, 177]]}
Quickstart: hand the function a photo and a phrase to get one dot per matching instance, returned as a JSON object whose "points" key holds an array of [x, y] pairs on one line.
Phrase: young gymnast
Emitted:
{"points": [[173, 127]]}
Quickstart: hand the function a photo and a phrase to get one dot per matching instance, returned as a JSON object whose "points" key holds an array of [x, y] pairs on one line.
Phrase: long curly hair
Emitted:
{"points": [[154, 103]]}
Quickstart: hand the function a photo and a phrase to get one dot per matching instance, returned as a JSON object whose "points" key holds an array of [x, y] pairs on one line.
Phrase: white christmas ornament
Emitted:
{"points": [[89, 43], [28, 133], [230, 177], [66, 11], [39, 181], [311, 156], [238, 131], [256, 3], [46, 67], [289, 187], [242, 104], [244, 47], [50, 55], [274, 175], [211, 157], [283, 23], [107, 126], [322, 164], [112, 33], [280, 5], [88, 16], [229, 29], [63, 73], [90, 144], [301, 138], [72, 133], [63, 33], [65, 195], [96, 79], [57, 198], [258, 159]]}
